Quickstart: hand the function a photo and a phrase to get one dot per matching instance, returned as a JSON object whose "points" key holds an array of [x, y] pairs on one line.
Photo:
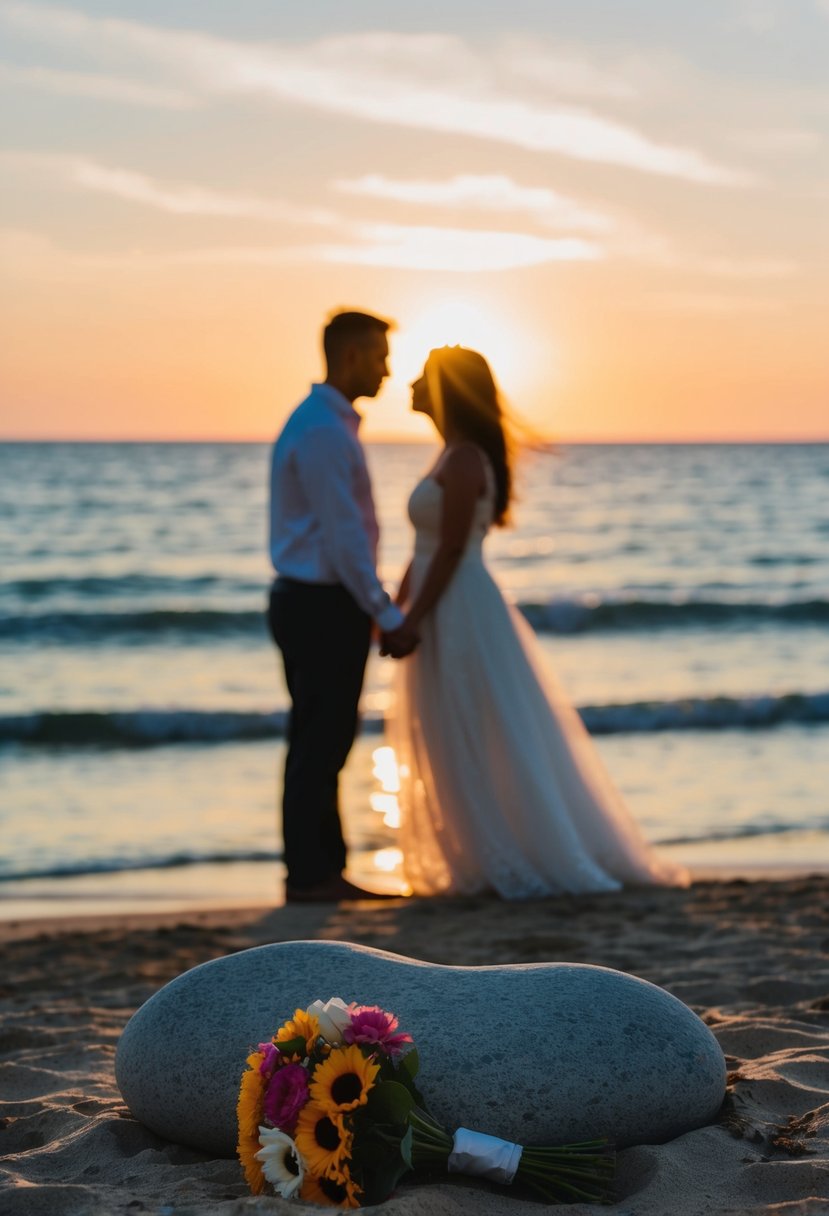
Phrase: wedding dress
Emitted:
{"points": [[501, 787]]}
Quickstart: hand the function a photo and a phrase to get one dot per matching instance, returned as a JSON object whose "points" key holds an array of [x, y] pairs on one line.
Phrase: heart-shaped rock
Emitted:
{"points": [[540, 1053]]}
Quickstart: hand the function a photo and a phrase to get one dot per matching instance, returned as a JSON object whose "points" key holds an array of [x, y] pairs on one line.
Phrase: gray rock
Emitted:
{"points": [[539, 1053]]}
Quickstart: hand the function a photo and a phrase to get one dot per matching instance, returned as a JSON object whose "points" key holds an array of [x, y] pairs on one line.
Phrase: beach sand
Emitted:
{"points": [[750, 957]]}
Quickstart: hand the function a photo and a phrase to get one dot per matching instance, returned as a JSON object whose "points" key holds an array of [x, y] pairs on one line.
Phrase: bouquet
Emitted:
{"points": [[329, 1112]]}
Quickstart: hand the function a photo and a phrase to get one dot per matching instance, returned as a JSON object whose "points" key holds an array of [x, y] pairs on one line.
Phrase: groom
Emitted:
{"points": [[323, 545]]}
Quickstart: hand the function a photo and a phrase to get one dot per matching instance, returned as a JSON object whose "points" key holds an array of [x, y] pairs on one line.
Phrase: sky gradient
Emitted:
{"points": [[624, 206]]}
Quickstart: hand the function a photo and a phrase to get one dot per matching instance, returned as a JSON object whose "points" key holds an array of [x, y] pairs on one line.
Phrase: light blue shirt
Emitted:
{"points": [[323, 527]]}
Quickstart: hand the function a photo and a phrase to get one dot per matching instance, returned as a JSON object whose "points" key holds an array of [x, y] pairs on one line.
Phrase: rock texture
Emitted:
{"points": [[537, 1053]]}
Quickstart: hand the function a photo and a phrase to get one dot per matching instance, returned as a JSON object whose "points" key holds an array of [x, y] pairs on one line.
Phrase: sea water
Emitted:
{"points": [[680, 593]]}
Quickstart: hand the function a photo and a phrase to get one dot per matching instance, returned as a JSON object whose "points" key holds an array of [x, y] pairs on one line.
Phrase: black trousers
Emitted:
{"points": [[324, 638]]}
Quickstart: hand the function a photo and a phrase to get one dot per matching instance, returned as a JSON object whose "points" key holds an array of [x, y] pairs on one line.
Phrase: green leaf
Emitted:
{"points": [[292, 1047], [406, 1148], [389, 1102], [376, 1145], [378, 1183], [410, 1064], [407, 1071]]}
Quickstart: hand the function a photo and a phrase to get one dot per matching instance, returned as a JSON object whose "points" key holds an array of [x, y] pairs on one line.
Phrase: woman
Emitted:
{"points": [[501, 787]]}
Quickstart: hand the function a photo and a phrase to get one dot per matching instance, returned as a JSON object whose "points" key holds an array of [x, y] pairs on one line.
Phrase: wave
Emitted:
{"points": [[128, 583], [566, 615], [746, 831], [186, 859], [85, 868], [707, 713], [593, 613], [91, 627], [159, 727]]}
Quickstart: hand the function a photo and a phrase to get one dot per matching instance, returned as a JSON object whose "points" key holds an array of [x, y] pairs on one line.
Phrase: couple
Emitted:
{"points": [[502, 790]]}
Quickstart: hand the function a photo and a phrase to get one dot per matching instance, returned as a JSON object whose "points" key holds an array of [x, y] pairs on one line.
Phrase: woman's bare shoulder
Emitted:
{"points": [[462, 462]]}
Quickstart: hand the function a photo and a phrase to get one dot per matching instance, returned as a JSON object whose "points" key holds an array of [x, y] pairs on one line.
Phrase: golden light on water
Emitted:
{"points": [[386, 770], [387, 860], [387, 806]]}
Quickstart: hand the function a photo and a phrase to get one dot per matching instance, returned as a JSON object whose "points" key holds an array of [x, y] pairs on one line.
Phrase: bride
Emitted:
{"points": [[501, 786]]}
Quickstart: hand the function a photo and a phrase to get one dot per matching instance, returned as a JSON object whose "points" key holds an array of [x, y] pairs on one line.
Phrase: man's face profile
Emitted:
{"points": [[371, 363]]}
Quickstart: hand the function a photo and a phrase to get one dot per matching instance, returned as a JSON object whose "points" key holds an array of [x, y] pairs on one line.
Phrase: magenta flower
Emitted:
{"points": [[271, 1061], [285, 1097], [371, 1024]]}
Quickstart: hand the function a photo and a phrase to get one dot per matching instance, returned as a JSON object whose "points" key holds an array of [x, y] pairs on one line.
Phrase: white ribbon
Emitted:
{"points": [[484, 1156]]}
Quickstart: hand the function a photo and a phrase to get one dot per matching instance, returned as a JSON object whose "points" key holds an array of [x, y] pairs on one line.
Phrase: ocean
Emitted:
{"points": [[679, 592]]}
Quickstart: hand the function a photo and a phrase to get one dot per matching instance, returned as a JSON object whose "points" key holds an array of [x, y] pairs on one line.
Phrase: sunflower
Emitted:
{"points": [[249, 1114], [342, 1082], [328, 1193], [322, 1139], [301, 1026]]}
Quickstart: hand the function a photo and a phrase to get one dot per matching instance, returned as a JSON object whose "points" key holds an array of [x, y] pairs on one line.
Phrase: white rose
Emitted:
{"points": [[282, 1163], [333, 1017]]}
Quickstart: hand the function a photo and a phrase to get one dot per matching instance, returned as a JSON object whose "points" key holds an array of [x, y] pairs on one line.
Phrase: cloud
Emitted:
{"points": [[566, 74], [494, 192], [455, 249], [425, 82], [175, 198], [98, 87], [389, 246]]}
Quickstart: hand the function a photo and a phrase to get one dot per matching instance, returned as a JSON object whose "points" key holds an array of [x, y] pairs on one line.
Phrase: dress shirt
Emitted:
{"points": [[323, 528]]}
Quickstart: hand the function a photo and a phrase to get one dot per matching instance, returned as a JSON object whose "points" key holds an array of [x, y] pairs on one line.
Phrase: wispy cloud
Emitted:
{"points": [[431, 82], [175, 198], [386, 245], [564, 73], [455, 249], [398, 247], [98, 87], [485, 193]]}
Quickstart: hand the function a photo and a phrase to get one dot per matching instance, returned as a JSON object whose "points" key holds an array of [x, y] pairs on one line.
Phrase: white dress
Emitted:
{"points": [[502, 789]]}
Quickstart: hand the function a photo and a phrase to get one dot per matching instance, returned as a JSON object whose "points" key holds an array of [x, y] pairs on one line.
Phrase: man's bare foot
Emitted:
{"points": [[333, 890]]}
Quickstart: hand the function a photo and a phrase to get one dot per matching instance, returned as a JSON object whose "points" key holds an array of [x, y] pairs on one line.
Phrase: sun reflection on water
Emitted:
{"points": [[387, 860], [387, 773]]}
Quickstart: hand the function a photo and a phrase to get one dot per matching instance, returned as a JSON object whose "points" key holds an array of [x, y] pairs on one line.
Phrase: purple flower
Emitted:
{"points": [[371, 1024], [285, 1096], [270, 1063]]}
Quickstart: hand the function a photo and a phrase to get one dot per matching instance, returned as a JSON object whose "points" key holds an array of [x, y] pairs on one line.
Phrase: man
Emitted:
{"points": [[323, 544]]}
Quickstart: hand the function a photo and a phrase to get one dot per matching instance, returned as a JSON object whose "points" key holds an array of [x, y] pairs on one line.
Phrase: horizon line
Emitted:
{"points": [[410, 441]]}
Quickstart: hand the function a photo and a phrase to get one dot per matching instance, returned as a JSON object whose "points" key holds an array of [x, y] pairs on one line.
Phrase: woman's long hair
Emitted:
{"points": [[465, 399]]}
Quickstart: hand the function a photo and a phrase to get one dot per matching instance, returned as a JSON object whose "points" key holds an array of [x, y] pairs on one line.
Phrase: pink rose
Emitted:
{"points": [[285, 1096], [272, 1056]]}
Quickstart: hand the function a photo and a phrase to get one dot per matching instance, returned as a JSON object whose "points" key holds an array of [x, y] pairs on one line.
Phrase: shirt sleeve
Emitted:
{"points": [[324, 468]]}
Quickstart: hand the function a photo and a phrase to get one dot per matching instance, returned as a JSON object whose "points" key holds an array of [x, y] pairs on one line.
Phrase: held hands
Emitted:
{"points": [[400, 642]]}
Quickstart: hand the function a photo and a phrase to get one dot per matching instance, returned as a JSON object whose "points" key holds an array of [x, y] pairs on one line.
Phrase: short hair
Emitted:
{"points": [[347, 327]]}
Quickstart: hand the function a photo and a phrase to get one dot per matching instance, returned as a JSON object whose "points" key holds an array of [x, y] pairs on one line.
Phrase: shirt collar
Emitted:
{"points": [[334, 399]]}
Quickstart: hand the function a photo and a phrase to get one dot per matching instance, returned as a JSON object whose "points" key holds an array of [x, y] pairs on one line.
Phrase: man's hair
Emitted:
{"points": [[347, 327]]}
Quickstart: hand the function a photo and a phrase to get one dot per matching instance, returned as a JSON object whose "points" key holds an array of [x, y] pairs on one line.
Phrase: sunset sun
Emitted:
{"points": [[453, 319]]}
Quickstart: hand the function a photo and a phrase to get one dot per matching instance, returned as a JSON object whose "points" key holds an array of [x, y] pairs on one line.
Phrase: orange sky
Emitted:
{"points": [[629, 220]]}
